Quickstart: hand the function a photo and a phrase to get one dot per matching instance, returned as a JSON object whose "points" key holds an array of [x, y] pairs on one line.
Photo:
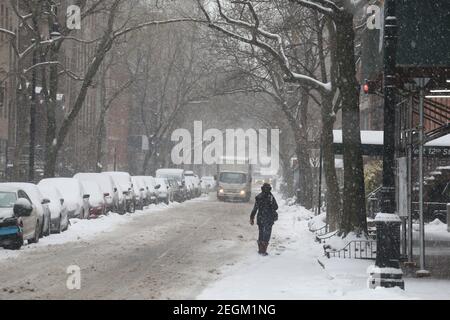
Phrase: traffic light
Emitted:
{"points": [[370, 87]]}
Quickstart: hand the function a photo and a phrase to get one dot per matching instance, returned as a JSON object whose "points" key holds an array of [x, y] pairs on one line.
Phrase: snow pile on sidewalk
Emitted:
{"points": [[434, 231], [297, 269]]}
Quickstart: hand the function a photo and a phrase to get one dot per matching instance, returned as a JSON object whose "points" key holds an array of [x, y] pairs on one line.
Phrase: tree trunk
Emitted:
{"points": [[50, 142], [22, 104], [307, 189], [287, 176], [354, 209], [99, 139], [305, 186], [333, 197]]}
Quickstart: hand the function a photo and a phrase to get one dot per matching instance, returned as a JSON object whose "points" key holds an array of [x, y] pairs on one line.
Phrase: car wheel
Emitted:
{"points": [[16, 245], [67, 224], [132, 207], [123, 210], [36, 237], [49, 227], [41, 232]]}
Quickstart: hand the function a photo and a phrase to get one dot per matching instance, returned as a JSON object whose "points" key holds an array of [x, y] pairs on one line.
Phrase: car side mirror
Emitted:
{"points": [[115, 189], [45, 201], [86, 196], [61, 201], [215, 177], [23, 208], [106, 194], [157, 186]]}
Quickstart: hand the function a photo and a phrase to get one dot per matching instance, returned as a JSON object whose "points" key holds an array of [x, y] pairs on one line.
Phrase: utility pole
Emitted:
{"points": [[421, 82], [387, 272], [410, 152]]}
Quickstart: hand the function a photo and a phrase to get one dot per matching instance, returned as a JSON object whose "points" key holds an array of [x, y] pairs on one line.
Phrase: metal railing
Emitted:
{"points": [[356, 249], [320, 231], [323, 237]]}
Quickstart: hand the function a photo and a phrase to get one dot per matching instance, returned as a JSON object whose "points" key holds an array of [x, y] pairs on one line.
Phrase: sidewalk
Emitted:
{"points": [[437, 249], [297, 269]]}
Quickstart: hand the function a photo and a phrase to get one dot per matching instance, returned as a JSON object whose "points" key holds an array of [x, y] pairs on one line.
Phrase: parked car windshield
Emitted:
{"points": [[168, 176], [7, 199], [232, 177]]}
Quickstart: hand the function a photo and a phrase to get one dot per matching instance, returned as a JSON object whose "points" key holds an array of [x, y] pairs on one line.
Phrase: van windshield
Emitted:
{"points": [[232, 177], [7, 199], [169, 176]]}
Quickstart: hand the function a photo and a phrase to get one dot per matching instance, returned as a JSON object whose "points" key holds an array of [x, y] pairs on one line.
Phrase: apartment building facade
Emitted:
{"points": [[78, 152]]}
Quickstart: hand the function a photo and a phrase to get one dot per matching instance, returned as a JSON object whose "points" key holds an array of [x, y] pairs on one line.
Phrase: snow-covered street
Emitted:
{"points": [[159, 253], [297, 269], [194, 250]]}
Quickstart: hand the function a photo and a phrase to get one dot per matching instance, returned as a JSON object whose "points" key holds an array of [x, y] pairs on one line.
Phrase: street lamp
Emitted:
{"points": [[387, 272]]}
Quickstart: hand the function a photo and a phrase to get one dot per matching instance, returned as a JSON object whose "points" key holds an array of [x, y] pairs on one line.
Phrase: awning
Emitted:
{"points": [[372, 144]]}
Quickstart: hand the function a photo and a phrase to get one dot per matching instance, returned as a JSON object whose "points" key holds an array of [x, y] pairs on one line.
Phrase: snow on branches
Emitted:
{"points": [[221, 17]]}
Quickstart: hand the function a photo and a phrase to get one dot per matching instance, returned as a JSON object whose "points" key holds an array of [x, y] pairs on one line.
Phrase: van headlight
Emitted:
{"points": [[243, 193], [221, 190]]}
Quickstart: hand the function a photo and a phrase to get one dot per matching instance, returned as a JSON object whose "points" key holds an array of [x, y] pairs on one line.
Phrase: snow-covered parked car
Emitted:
{"points": [[152, 189], [140, 192], [58, 209], [123, 185], [96, 200], [190, 187], [19, 220], [165, 192], [208, 184], [75, 199], [40, 202], [106, 184], [194, 181], [178, 175]]}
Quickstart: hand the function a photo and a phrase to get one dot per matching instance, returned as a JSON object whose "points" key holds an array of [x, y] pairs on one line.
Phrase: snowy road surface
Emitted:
{"points": [[201, 249], [167, 253]]}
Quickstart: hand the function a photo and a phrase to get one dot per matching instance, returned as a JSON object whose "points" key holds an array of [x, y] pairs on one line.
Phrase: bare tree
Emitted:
{"points": [[173, 73], [118, 19], [241, 21]]}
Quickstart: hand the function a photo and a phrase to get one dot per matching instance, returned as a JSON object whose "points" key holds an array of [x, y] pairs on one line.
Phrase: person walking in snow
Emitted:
{"points": [[266, 208]]}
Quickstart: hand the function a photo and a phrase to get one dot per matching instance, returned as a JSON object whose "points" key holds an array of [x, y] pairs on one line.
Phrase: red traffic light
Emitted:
{"points": [[366, 88], [370, 87]]}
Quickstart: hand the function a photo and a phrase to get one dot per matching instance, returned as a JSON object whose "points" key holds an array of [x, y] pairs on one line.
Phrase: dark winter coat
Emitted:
{"points": [[265, 207]]}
